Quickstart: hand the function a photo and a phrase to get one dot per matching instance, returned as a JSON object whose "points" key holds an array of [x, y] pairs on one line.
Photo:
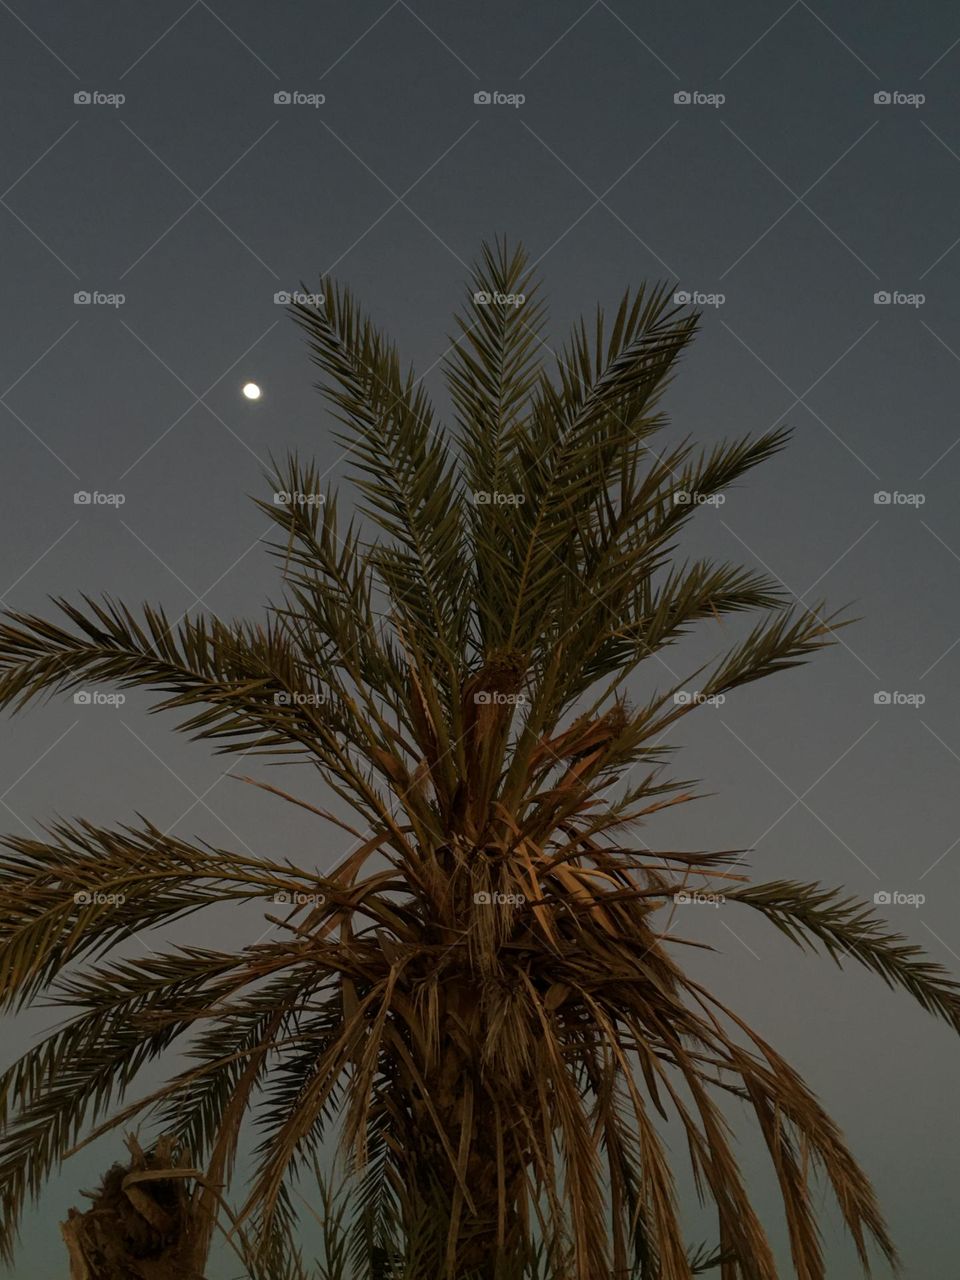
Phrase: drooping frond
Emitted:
{"points": [[845, 927]]}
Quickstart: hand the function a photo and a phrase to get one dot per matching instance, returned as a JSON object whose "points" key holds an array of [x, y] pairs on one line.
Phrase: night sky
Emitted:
{"points": [[798, 170]]}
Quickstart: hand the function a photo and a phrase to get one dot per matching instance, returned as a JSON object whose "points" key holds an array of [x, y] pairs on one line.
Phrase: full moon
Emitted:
{"points": [[252, 391]]}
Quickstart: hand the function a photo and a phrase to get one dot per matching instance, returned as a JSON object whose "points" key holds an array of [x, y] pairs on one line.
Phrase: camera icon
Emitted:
{"points": [[882, 699], [682, 698], [282, 699], [482, 899], [682, 98], [82, 498], [481, 498], [882, 498], [682, 298], [882, 898], [681, 498], [82, 698], [82, 897], [882, 298], [482, 299], [882, 98], [282, 499], [281, 299], [282, 898], [681, 898], [482, 698], [482, 98], [282, 98], [82, 298], [82, 98]]}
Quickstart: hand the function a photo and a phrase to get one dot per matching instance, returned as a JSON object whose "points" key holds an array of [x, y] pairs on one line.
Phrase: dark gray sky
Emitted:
{"points": [[798, 199]]}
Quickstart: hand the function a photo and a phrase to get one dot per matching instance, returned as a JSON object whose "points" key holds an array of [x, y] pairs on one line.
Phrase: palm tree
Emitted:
{"points": [[481, 1000]]}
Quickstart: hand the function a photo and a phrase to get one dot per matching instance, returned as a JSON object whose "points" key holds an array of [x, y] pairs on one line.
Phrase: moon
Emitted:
{"points": [[252, 391]]}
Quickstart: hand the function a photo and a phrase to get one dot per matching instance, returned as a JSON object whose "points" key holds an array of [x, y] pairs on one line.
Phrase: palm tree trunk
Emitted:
{"points": [[141, 1225], [479, 1255]]}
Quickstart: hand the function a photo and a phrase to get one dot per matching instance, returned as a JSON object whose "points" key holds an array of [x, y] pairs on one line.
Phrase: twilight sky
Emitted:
{"points": [[783, 191]]}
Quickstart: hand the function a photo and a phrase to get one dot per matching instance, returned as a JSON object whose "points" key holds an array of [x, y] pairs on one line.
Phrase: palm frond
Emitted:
{"points": [[846, 928], [400, 462]]}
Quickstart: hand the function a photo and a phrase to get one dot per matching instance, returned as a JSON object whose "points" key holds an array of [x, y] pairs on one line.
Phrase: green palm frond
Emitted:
{"points": [[234, 672], [401, 464], [492, 374], [89, 888], [809, 914], [584, 433]]}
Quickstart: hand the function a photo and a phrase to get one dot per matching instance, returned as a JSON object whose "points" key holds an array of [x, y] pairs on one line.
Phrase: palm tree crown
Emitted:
{"points": [[480, 999]]}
